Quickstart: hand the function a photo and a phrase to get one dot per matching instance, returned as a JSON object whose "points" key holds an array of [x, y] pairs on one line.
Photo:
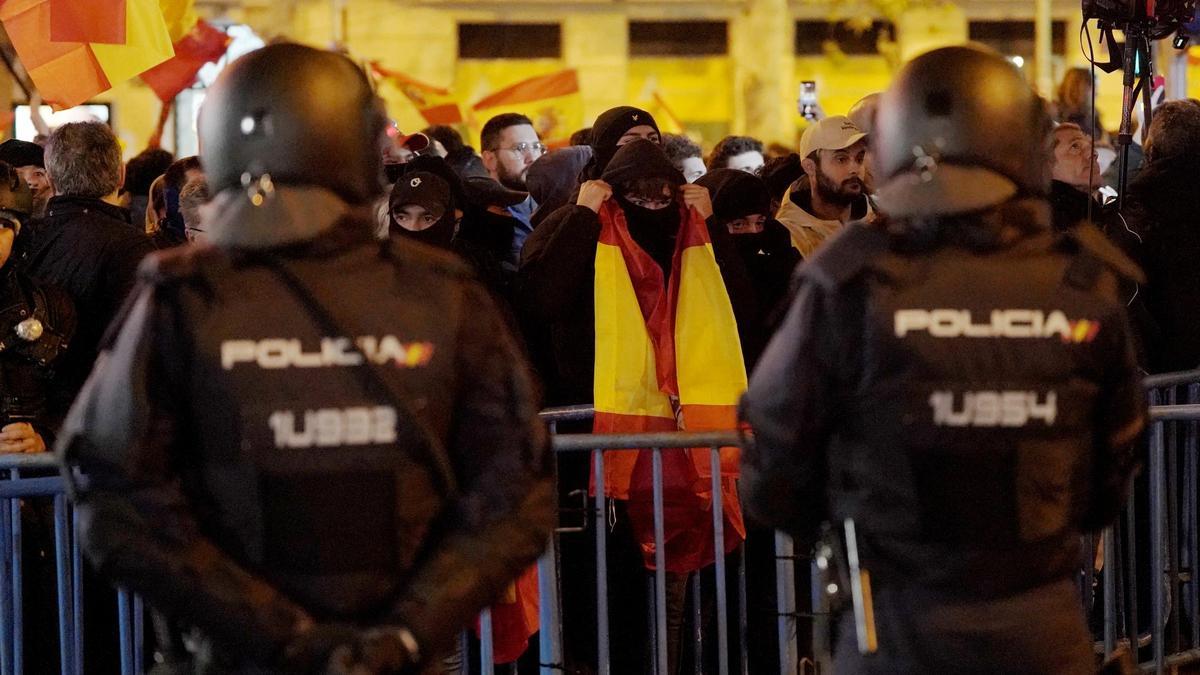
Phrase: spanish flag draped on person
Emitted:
{"points": [[668, 356]]}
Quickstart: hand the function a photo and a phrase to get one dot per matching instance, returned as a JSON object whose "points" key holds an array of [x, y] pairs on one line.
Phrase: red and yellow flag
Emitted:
{"points": [[203, 44], [668, 357], [551, 101], [68, 73], [435, 104]]}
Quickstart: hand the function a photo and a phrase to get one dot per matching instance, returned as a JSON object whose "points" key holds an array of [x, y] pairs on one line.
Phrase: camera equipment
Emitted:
{"points": [[1141, 21]]}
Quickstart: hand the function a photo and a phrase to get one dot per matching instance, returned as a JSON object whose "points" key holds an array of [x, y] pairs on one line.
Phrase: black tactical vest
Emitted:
{"points": [[322, 377], [965, 456]]}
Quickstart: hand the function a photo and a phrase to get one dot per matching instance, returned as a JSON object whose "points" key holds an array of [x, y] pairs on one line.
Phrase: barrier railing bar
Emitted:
{"points": [[668, 439], [718, 511], [602, 654], [1171, 379], [1132, 632], [1175, 413], [124, 622], [570, 413], [660, 568]]}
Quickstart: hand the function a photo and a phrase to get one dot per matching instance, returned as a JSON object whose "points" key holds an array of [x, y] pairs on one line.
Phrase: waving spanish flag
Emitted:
{"points": [[99, 54], [436, 104], [667, 358], [552, 101]]}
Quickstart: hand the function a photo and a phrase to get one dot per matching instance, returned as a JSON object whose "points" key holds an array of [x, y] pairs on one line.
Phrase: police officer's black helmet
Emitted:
{"points": [[303, 116], [960, 130]]}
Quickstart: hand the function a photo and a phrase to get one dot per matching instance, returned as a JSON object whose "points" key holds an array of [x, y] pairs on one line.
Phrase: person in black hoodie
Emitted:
{"points": [[556, 289], [554, 285], [553, 177], [1161, 206], [764, 257]]}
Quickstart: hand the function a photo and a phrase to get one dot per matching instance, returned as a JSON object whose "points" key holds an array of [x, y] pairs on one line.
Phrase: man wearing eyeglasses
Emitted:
{"points": [[510, 146]]}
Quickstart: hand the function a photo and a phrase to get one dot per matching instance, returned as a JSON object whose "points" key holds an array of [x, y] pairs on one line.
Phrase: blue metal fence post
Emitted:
{"points": [[124, 623], [77, 589], [1157, 515], [697, 627], [603, 666], [1191, 515], [7, 643], [785, 599], [743, 612], [1110, 592], [550, 654], [18, 586], [660, 570], [487, 658], [718, 511], [66, 595]]}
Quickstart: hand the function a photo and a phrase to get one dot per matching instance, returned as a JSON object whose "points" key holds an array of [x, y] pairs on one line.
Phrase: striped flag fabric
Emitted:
{"points": [[436, 104], [203, 44], [68, 73], [552, 101], [668, 357]]}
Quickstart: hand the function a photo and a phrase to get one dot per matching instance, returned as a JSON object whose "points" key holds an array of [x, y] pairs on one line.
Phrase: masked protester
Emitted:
{"points": [[958, 385], [639, 227], [764, 256], [282, 443], [422, 209]]}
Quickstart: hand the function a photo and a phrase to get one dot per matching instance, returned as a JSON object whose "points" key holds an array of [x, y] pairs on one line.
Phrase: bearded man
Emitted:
{"points": [[832, 192]]}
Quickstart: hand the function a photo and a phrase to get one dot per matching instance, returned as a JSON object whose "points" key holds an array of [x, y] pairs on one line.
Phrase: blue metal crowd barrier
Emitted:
{"points": [[1170, 514], [1172, 639], [34, 481]]}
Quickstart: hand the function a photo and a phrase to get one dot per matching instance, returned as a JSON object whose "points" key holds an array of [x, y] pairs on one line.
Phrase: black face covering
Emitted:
{"points": [[429, 192], [654, 230]]}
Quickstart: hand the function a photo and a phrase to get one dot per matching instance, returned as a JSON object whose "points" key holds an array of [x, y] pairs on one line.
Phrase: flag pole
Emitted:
{"points": [[8, 63]]}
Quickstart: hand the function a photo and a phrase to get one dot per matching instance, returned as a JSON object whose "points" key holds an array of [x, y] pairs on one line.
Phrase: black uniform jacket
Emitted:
{"points": [[973, 411], [303, 422]]}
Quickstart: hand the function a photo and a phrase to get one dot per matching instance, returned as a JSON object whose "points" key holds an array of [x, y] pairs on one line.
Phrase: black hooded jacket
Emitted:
{"points": [[1162, 207], [764, 261], [554, 177], [556, 282]]}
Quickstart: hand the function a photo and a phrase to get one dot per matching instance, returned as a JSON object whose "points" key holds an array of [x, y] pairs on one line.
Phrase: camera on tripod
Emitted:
{"points": [[1157, 18]]}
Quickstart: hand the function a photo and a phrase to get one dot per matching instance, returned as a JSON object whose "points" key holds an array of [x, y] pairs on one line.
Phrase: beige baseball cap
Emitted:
{"points": [[831, 133]]}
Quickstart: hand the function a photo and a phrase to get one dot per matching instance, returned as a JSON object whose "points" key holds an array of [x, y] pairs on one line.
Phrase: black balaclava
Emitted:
{"points": [[737, 194], [431, 193], [608, 129], [655, 230]]}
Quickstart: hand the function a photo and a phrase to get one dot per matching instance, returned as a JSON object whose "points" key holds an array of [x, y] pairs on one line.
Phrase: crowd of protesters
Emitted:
{"points": [[533, 221]]}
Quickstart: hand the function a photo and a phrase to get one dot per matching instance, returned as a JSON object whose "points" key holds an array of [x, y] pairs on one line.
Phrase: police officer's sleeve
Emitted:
{"points": [[789, 406], [127, 437], [1120, 420], [505, 510]]}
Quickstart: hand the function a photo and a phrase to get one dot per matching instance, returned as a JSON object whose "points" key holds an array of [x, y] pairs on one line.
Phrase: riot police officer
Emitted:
{"points": [[318, 449], [956, 386]]}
